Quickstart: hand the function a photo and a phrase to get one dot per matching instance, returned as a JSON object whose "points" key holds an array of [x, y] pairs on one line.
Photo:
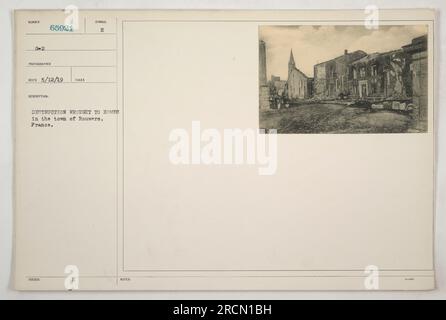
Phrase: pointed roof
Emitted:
{"points": [[291, 58]]}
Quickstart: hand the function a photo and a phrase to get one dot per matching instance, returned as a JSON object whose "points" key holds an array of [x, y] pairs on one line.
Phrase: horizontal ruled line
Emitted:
{"points": [[65, 82], [62, 50], [47, 66]]}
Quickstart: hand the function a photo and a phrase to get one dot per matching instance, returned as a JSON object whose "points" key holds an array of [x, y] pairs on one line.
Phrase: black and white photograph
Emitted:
{"points": [[343, 78]]}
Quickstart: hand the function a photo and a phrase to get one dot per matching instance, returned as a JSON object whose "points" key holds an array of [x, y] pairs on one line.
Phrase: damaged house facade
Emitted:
{"points": [[278, 86], [332, 78], [417, 50], [385, 78], [378, 76], [397, 75]]}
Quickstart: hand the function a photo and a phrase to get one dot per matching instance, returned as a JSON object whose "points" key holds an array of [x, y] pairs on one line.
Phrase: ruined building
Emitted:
{"points": [[278, 86], [378, 76], [399, 74], [332, 78], [417, 51]]}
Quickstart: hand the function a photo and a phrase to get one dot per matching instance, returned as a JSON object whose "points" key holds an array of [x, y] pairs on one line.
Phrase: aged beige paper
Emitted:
{"points": [[224, 150]]}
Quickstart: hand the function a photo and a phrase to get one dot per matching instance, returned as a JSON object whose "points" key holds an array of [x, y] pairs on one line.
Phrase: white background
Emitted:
{"points": [[6, 127]]}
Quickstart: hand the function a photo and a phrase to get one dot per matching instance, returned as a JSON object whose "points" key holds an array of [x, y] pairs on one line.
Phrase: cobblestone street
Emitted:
{"points": [[335, 118]]}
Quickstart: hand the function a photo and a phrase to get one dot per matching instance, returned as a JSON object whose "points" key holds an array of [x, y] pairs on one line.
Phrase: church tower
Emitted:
{"points": [[291, 63], [297, 83]]}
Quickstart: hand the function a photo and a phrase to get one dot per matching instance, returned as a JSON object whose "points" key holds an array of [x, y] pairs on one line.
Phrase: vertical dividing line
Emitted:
{"points": [[123, 150], [117, 152], [431, 63]]}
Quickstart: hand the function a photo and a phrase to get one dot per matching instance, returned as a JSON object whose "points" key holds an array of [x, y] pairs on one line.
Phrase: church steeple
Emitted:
{"points": [[291, 63]]}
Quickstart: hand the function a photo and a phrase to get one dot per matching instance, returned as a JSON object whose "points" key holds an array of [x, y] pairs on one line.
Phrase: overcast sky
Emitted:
{"points": [[314, 44]]}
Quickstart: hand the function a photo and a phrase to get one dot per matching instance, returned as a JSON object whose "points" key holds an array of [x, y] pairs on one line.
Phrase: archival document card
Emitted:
{"points": [[224, 150]]}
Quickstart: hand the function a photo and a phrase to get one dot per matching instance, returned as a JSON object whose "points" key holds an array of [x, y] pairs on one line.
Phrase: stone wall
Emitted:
{"points": [[320, 80], [420, 84]]}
